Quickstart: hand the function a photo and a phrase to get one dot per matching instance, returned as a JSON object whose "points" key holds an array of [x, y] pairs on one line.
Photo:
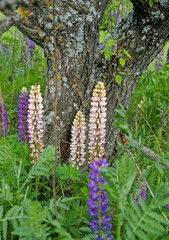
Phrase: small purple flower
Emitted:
{"points": [[111, 14], [143, 193], [5, 51], [168, 56], [3, 118], [22, 114], [98, 203], [167, 206], [31, 47], [159, 61], [119, 19], [116, 14]]}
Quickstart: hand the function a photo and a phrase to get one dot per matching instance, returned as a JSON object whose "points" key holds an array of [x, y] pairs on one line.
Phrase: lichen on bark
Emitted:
{"points": [[144, 32]]}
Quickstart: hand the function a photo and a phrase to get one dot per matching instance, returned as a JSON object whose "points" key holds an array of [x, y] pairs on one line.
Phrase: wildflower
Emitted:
{"points": [[116, 14], [167, 206], [159, 61], [35, 127], [31, 47], [3, 118], [168, 56], [5, 51], [98, 203], [111, 14], [97, 122], [22, 114], [77, 147], [143, 193], [119, 19]]}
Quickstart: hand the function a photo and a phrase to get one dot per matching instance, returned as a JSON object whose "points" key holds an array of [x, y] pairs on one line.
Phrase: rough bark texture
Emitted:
{"points": [[143, 34], [9, 8]]}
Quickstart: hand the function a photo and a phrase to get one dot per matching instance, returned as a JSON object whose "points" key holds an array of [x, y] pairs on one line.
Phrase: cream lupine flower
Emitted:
{"points": [[97, 122], [77, 147], [35, 122]]}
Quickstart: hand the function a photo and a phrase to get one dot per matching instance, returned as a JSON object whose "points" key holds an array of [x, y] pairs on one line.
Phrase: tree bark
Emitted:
{"points": [[81, 65]]}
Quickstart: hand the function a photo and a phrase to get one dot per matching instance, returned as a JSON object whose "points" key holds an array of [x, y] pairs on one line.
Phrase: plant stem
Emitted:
{"points": [[118, 226], [36, 187], [3, 120], [55, 110]]}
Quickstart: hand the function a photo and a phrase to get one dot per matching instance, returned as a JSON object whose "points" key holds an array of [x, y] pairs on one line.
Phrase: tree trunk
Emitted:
{"points": [[81, 65]]}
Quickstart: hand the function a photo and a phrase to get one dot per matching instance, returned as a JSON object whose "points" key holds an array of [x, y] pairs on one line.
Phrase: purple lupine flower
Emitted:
{"points": [[116, 14], [5, 51], [3, 118], [22, 114], [143, 193], [119, 19], [31, 47], [168, 56], [98, 203], [159, 61], [111, 14]]}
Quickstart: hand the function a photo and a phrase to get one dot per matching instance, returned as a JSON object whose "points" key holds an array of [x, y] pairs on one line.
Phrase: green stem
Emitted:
{"points": [[118, 226], [36, 187]]}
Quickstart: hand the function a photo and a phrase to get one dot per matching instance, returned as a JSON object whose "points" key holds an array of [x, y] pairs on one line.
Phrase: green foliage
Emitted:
{"points": [[146, 222], [121, 120], [32, 224], [6, 161], [151, 2], [10, 217], [120, 178]]}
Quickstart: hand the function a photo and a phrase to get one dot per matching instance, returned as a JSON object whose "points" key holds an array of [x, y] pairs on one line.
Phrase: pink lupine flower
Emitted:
{"points": [[77, 147], [35, 122], [97, 122]]}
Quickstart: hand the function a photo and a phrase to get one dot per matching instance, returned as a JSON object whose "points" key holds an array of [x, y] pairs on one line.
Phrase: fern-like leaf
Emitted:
{"points": [[146, 222]]}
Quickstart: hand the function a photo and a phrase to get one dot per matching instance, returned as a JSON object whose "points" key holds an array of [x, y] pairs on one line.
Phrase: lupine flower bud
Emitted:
{"points": [[3, 118], [77, 147], [98, 202], [23, 114], [35, 122], [97, 122]]}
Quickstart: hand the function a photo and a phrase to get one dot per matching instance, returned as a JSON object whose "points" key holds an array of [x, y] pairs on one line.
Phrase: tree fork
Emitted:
{"points": [[143, 34]]}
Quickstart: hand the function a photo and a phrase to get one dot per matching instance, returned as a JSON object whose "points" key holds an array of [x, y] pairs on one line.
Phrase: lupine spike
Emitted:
{"points": [[23, 114], [35, 122], [31, 47], [143, 193], [3, 118], [97, 122], [167, 56], [77, 147], [159, 61], [98, 203]]}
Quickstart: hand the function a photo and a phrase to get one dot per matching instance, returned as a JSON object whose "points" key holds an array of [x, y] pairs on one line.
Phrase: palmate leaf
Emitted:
{"points": [[146, 221]]}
